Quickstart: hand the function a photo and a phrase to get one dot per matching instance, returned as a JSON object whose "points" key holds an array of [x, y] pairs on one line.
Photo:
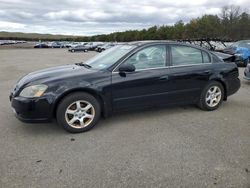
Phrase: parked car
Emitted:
{"points": [[247, 73], [41, 45], [241, 50], [126, 77], [56, 45], [79, 48], [104, 47], [92, 45], [72, 44]]}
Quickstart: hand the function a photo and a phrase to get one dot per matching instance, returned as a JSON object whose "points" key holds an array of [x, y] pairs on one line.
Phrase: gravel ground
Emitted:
{"points": [[169, 147]]}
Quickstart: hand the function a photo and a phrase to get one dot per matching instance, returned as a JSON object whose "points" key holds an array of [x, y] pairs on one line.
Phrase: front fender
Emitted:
{"points": [[100, 91]]}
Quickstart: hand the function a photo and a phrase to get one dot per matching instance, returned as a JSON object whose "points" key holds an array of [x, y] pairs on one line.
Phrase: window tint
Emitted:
{"points": [[149, 57], [185, 55], [206, 57]]}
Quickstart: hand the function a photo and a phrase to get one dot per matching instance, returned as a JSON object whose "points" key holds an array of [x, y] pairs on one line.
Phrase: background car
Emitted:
{"points": [[104, 47], [92, 45], [79, 48], [247, 73], [72, 44], [56, 45], [241, 49], [41, 45]]}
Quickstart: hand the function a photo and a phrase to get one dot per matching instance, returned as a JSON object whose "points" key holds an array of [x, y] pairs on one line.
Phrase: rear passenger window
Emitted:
{"points": [[185, 55], [206, 57]]}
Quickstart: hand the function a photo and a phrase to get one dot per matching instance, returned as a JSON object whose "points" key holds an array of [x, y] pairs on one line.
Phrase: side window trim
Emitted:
{"points": [[208, 55], [202, 56], [168, 55]]}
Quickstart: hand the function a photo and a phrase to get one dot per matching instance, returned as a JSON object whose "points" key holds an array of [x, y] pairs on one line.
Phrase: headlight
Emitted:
{"points": [[33, 91]]}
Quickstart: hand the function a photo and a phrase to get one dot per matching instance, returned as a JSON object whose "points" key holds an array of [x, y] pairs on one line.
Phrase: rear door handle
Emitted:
{"points": [[163, 78], [207, 72]]}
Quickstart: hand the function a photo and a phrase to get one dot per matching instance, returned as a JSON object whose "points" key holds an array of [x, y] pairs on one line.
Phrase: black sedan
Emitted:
{"points": [[130, 76], [41, 45]]}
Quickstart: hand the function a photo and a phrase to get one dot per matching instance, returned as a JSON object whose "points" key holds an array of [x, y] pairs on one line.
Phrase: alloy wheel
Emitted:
{"points": [[79, 114], [213, 96]]}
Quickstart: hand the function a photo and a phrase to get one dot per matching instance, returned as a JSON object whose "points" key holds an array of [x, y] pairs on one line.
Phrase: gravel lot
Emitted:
{"points": [[170, 147]]}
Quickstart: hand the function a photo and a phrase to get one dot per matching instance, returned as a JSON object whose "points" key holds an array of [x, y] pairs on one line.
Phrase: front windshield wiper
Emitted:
{"points": [[84, 65]]}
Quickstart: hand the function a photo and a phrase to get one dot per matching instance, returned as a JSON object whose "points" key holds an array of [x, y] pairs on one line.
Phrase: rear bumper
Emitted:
{"points": [[247, 74], [233, 86], [32, 110]]}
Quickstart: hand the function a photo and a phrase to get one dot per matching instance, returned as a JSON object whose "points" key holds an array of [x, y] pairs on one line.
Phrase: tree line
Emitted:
{"points": [[231, 24]]}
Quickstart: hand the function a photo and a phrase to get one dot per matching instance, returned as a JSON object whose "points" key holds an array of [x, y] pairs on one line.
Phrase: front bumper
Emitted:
{"points": [[32, 110]]}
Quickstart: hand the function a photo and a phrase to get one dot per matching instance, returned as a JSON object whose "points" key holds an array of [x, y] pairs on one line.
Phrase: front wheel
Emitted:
{"points": [[211, 96], [78, 112]]}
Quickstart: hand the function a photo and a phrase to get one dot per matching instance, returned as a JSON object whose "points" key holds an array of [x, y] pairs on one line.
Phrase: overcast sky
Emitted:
{"points": [[91, 17]]}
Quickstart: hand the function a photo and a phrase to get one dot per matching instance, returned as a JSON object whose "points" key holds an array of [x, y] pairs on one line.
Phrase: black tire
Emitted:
{"points": [[202, 101], [68, 100]]}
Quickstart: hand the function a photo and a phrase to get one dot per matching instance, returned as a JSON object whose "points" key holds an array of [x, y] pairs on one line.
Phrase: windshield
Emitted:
{"points": [[107, 58], [245, 44]]}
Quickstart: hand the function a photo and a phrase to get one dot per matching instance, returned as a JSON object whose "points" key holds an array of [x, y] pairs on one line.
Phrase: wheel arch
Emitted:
{"points": [[224, 86], [86, 90]]}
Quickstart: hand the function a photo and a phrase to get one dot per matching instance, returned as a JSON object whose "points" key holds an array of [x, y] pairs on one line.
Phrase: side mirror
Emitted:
{"points": [[127, 68]]}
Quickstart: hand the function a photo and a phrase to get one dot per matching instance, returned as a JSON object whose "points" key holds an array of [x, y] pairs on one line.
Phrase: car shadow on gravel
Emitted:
{"points": [[52, 128], [148, 113]]}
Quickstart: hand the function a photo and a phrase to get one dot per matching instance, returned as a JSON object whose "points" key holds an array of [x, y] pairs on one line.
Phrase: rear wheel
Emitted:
{"points": [[78, 112], [211, 96]]}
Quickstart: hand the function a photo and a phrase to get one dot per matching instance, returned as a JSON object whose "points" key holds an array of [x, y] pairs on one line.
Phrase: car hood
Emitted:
{"points": [[54, 73]]}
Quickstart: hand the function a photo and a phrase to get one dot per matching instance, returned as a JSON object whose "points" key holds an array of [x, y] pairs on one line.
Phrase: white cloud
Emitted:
{"points": [[10, 25], [103, 16]]}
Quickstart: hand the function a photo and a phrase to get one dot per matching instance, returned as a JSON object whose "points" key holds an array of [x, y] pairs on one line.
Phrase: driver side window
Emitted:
{"points": [[149, 57]]}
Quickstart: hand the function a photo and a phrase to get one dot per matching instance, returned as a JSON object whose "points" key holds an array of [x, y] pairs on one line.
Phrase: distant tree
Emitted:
{"points": [[230, 16]]}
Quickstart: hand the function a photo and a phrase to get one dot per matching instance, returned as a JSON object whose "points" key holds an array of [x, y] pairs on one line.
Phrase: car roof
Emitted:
{"points": [[139, 43], [149, 42]]}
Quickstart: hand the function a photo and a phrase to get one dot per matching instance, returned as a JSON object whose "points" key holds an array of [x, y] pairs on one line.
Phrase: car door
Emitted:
{"points": [[190, 70], [147, 85]]}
